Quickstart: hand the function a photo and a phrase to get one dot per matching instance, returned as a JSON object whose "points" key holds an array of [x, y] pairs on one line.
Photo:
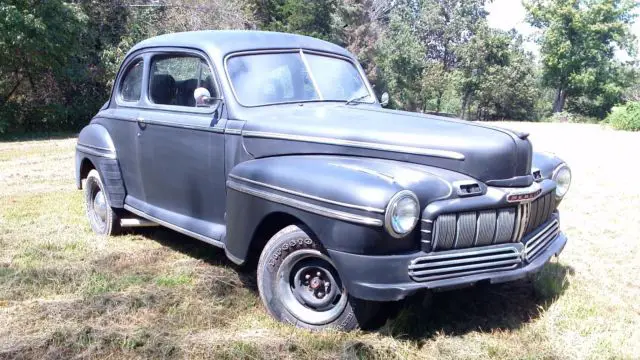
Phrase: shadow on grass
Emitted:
{"points": [[197, 249], [482, 308], [479, 308]]}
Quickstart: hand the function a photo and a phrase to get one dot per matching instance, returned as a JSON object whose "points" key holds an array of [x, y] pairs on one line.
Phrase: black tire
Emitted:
{"points": [[291, 297], [104, 221]]}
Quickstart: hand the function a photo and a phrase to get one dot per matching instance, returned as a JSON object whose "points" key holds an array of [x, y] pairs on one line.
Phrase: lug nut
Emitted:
{"points": [[320, 294], [307, 277], [318, 274]]}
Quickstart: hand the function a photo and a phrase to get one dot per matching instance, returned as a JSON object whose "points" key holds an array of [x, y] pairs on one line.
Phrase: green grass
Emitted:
{"points": [[66, 293]]}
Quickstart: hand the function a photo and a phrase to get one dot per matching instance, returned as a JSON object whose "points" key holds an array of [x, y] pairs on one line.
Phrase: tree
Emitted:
{"points": [[357, 27], [578, 43], [306, 17], [436, 29], [498, 77], [38, 41]]}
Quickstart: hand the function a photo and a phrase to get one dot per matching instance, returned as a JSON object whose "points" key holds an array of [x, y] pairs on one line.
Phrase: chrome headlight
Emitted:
{"points": [[402, 213], [562, 177]]}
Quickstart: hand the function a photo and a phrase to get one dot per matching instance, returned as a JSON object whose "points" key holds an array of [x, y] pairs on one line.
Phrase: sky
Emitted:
{"points": [[509, 14]]}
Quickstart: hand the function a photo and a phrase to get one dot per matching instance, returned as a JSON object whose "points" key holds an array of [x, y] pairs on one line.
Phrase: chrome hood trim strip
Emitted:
{"points": [[446, 154]]}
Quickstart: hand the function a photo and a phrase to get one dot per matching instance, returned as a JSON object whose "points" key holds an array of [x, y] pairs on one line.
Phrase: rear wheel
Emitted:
{"points": [[299, 284], [102, 218]]}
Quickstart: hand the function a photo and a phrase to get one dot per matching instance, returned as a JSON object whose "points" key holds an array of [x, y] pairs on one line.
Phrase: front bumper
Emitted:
{"points": [[386, 278]]}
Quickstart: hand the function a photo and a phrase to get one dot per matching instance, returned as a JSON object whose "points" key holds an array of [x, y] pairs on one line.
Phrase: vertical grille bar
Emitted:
{"points": [[486, 228], [466, 230], [445, 232], [504, 225]]}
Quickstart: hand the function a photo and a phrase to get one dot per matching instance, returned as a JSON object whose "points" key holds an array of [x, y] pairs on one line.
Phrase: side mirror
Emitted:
{"points": [[203, 97], [384, 99]]}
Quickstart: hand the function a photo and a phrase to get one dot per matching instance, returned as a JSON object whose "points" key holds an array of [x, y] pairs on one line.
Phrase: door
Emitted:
{"points": [[121, 124], [181, 144]]}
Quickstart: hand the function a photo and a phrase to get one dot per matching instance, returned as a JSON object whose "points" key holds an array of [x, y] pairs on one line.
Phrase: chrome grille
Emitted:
{"points": [[538, 242], [455, 263], [486, 227]]}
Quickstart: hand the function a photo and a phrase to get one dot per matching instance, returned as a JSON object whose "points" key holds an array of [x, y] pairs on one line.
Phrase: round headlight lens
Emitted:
{"points": [[402, 213], [562, 177]]}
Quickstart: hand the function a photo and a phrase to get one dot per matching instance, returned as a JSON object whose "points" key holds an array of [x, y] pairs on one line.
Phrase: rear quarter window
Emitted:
{"points": [[131, 85]]}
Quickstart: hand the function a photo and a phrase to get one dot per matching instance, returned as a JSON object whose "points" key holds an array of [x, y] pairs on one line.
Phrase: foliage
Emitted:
{"points": [[568, 117], [58, 60], [313, 18], [39, 67], [625, 117], [420, 49], [499, 77], [578, 47], [357, 26]]}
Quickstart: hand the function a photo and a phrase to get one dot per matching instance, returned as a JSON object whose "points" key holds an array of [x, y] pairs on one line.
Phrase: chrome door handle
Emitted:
{"points": [[141, 123]]}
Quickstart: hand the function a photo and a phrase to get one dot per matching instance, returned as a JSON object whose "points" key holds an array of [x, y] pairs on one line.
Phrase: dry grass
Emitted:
{"points": [[65, 293]]}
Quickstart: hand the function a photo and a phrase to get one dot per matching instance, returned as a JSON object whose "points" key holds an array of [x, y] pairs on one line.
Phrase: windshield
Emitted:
{"points": [[263, 79]]}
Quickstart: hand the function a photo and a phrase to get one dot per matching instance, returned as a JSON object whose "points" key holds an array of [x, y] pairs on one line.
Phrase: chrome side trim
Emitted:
{"points": [[233, 131], [137, 223], [183, 126], [320, 210], [93, 151], [312, 197], [206, 239], [97, 147], [446, 154]]}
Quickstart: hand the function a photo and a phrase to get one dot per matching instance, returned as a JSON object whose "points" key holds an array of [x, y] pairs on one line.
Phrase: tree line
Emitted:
{"points": [[58, 58]]}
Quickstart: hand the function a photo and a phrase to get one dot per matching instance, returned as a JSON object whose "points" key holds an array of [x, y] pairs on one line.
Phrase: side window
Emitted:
{"points": [[175, 78], [131, 85]]}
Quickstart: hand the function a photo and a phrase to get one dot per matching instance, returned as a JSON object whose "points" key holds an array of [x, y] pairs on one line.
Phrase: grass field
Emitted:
{"points": [[65, 293]]}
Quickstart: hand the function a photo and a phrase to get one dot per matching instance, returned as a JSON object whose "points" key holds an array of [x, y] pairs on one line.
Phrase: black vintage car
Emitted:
{"points": [[273, 147]]}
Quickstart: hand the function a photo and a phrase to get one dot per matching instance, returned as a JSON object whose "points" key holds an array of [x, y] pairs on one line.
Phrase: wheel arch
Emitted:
{"points": [[270, 225], [95, 150], [86, 165]]}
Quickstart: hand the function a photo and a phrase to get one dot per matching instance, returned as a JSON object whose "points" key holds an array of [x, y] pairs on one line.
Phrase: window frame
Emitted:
{"points": [[120, 79], [302, 52]]}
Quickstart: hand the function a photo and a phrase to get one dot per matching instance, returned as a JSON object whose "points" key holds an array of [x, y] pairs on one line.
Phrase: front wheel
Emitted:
{"points": [[102, 218], [299, 284]]}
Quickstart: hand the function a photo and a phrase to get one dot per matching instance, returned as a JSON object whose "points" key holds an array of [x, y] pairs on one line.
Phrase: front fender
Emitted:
{"points": [[341, 199], [546, 163], [96, 149]]}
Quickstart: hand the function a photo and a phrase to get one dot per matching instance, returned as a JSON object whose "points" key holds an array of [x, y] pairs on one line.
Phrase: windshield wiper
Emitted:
{"points": [[357, 100]]}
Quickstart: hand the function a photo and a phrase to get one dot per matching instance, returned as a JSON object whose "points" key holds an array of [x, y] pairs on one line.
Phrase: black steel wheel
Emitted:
{"points": [[102, 218], [299, 285]]}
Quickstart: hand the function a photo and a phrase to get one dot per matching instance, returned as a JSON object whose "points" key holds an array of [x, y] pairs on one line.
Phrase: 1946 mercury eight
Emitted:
{"points": [[274, 147]]}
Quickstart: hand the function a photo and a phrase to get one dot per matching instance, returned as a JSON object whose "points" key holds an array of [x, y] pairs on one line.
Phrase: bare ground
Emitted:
{"points": [[65, 293]]}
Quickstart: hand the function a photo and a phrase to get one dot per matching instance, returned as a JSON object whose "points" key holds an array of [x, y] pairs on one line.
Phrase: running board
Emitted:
{"points": [[190, 233], [137, 222]]}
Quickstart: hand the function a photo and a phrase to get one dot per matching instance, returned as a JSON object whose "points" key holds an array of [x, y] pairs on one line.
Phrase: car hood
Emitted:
{"points": [[486, 153]]}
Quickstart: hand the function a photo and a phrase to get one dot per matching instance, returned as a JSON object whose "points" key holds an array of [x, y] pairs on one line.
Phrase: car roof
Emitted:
{"points": [[222, 42]]}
